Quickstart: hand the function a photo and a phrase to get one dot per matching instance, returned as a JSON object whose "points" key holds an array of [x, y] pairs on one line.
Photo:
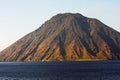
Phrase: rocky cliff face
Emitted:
{"points": [[66, 37]]}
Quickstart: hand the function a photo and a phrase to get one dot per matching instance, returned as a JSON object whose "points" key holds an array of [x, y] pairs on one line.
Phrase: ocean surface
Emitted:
{"points": [[93, 70]]}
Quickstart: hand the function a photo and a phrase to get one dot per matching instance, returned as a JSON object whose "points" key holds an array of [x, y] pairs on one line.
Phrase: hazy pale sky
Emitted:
{"points": [[20, 17]]}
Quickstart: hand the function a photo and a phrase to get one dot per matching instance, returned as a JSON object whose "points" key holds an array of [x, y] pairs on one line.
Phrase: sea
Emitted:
{"points": [[83, 70]]}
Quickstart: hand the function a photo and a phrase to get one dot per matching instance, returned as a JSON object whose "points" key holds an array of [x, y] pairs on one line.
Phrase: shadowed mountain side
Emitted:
{"points": [[66, 37]]}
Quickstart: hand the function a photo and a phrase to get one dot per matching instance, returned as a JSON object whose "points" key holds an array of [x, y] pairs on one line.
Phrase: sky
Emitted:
{"points": [[20, 17]]}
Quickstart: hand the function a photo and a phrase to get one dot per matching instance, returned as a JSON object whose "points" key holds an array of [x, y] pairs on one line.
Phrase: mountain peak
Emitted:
{"points": [[66, 37], [68, 16]]}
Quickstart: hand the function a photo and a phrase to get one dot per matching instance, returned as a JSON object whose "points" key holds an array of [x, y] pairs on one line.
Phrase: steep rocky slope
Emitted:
{"points": [[66, 37]]}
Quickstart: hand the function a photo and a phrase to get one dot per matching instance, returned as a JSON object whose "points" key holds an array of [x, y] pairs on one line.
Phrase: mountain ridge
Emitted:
{"points": [[66, 37]]}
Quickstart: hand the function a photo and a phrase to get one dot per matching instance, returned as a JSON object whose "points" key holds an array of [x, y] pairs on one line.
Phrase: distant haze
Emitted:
{"points": [[19, 17]]}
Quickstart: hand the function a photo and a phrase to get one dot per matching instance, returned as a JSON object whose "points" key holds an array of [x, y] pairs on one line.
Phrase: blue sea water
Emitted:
{"points": [[85, 70]]}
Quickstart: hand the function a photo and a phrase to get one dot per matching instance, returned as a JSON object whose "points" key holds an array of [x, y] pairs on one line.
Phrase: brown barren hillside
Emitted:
{"points": [[66, 37]]}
